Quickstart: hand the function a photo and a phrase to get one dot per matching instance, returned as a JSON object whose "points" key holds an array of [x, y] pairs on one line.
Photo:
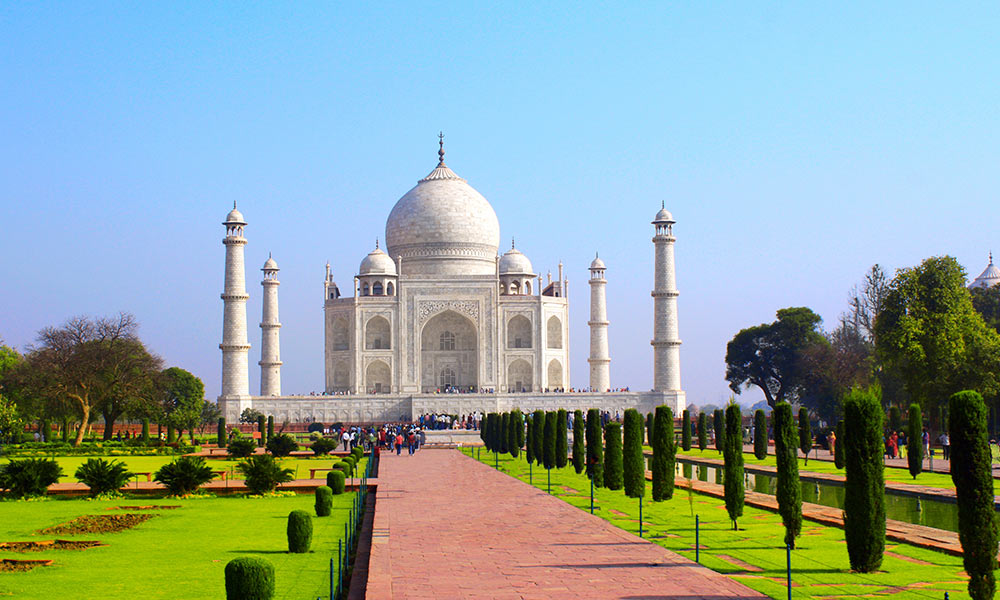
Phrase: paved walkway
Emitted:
{"points": [[447, 526]]}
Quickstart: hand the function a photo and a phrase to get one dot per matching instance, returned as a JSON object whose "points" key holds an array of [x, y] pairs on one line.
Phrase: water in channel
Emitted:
{"points": [[932, 513]]}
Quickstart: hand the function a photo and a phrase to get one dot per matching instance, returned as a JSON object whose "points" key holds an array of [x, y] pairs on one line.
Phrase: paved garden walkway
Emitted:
{"points": [[447, 526]]}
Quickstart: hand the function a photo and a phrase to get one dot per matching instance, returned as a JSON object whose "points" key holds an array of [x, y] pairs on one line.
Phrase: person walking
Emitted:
{"points": [[399, 444]]}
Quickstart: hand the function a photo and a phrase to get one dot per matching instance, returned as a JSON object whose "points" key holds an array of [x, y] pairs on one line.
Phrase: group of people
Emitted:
{"points": [[397, 436], [442, 421]]}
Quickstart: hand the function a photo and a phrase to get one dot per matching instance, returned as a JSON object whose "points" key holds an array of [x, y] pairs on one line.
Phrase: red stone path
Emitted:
{"points": [[447, 526]]}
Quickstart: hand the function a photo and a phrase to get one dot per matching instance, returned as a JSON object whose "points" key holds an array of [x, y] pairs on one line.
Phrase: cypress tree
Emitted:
{"points": [[720, 429], [494, 433], [805, 433], [733, 456], [649, 429], [972, 474], [549, 441], [529, 448], [65, 430], [538, 430], [864, 488], [686, 433], [145, 430], [789, 492], [487, 435], [633, 461], [595, 449], [664, 449], [579, 449], [613, 456], [270, 428], [914, 445], [220, 434], [562, 444], [702, 431], [838, 451], [171, 434], [260, 429], [503, 433], [515, 435], [760, 434], [895, 419], [519, 430]]}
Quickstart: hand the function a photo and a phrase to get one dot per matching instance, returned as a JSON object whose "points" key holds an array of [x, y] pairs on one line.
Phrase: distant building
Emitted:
{"points": [[988, 278]]}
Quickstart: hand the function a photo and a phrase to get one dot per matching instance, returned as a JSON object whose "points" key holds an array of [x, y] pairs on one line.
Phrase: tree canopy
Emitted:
{"points": [[183, 397]]}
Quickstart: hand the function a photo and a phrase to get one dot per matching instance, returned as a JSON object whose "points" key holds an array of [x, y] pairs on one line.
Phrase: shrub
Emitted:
{"points": [[261, 473], [538, 430], [323, 446], [103, 476], [300, 531], [972, 474], [864, 489], [261, 420], [702, 431], [686, 432], [789, 491], [514, 424], [549, 441], [733, 457], [171, 434], [358, 453], [562, 444], [895, 419], [838, 450], [613, 478], [241, 447], [220, 432], [281, 444], [720, 429], [664, 449], [145, 431], [324, 501], [529, 447], [760, 434], [29, 476], [633, 461], [595, 449], [184, 475], [344, 467], [249, 578], [336, 481], [914, 444], [805, 433], [270, 428], [315, 427], [579, 447]]}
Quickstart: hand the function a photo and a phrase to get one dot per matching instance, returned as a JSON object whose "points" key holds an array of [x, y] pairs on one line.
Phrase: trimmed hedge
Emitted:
{"points": [[789, 491], [805, 433], [503, 434], [664, 449], [864, 488], [220, 433], [324, 501], [633, 461], [613, 476], [249, 578], [733, 455], [579, 446], [336, 481], [344, 467], [549, 441], [760, 434], [300, 531], [514, 425], [562, 442], [529, 447], [686, 432], [538, 431], [720, 429], [702, 431], [595, 449]]}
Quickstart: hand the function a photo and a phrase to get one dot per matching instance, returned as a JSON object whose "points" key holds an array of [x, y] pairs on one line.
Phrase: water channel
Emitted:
{"points": [[932, 513]]}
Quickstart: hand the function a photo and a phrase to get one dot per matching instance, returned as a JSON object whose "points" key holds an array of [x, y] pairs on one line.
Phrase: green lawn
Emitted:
{"points": [[755, 555], [180, 553]]}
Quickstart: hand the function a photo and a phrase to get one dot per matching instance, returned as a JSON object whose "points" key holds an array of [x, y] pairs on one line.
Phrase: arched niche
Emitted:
{"points": [[449, 341], [519, 376], [519, 332], [341, 334], [377, 378], [377, 334], [554, 333], [555, 374]]}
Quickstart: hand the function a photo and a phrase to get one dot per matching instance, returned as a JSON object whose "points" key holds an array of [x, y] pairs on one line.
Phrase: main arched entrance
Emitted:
{"points": [[449, 348]]}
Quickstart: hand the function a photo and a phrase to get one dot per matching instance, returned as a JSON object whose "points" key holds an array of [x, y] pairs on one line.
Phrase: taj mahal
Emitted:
{"points": [[440, 322]]}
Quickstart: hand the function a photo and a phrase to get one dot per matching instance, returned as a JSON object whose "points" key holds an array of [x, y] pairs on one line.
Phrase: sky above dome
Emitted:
{"points": [[795, 145]]}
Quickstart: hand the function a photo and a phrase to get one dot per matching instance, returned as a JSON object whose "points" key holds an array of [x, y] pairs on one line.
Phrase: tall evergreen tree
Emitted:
{"points": [[972, 474], [579, 448], [686, 432], [760, 434], [914, 443], [529, 447], [805, 433], [503, 432], [864, 488], [649, 428], [664, 449], [562, 444], [220, 434], [789, 492], [733, 455], [633, 460], [549, 441], [538, 430], [595, 448], [519, 430], [838, 451], [895, 419], [720, 429], [613, 477], [513, 425], [702, 431]]}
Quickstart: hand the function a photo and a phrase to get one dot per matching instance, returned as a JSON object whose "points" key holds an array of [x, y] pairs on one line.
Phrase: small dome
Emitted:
{"points": [[597, 264], [270, 264], [515, 263], [988, 278], [234, 217], [664, 216], [377, 263]]}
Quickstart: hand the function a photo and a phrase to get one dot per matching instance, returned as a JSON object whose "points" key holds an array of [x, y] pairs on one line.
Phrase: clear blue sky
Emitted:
{"points": [[795, 143]]}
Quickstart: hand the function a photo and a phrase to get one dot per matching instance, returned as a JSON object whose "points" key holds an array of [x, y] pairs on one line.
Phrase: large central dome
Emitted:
{"points": [[443, 227]]}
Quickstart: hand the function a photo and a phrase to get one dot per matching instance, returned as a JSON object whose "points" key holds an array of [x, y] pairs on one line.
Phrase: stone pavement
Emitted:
{"points": [[447, 526]]}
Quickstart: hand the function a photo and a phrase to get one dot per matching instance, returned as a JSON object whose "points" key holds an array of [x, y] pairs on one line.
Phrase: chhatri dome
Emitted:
{"points": [[377, 263], [988, 278], [443, 226], [513, 262]]}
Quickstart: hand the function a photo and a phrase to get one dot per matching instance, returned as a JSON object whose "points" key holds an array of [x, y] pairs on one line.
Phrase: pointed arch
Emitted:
{"points": [[554, 333], [377, 334]]}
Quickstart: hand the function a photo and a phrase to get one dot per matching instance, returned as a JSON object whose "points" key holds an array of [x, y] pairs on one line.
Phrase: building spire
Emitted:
{"points": [[512, 243], [376, 243], [441, 149], [991, 257]]}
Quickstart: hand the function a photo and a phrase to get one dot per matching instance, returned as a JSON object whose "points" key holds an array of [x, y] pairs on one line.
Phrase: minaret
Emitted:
{"points": [[600, 362], [270, 354], [235, 346], [666, 344]]}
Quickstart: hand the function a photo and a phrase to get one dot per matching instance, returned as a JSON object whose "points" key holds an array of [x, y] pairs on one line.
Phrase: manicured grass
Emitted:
{"points": [[180, 553], [820, 566]]}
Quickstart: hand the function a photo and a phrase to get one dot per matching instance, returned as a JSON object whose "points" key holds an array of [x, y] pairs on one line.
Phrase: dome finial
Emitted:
{"points": [[441, 149], [991, 257], [376, 243], [512, 243]]}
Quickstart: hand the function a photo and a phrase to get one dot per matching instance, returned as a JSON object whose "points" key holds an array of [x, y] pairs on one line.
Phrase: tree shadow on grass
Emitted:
{"points": [[625, 565], [260, 551]]}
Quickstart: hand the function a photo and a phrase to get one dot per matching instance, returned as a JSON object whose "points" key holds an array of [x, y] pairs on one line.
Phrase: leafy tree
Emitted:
{"points": [[720, 429], [972, 474], [686, 431], [11, 424], [664, 450], [864, 488], [772, 356], [789, 491], [210, 413], [182, 397], [895, 419], [562, 429], [129, 384], [986, 302], [805, 433], [579, 448], [914, 443], [595, 451], [261, 473], [702, 431], [613, 476], [633, 461], [250, 415], [103, 476], [931, 334], [733, 455], [760, 434]]}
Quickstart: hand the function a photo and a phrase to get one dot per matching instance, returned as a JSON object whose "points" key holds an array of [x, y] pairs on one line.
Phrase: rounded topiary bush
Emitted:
{"points": [[324, 501], [335, 480], [343, 466], [249, 578], [358, 452], [300, 531]]}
